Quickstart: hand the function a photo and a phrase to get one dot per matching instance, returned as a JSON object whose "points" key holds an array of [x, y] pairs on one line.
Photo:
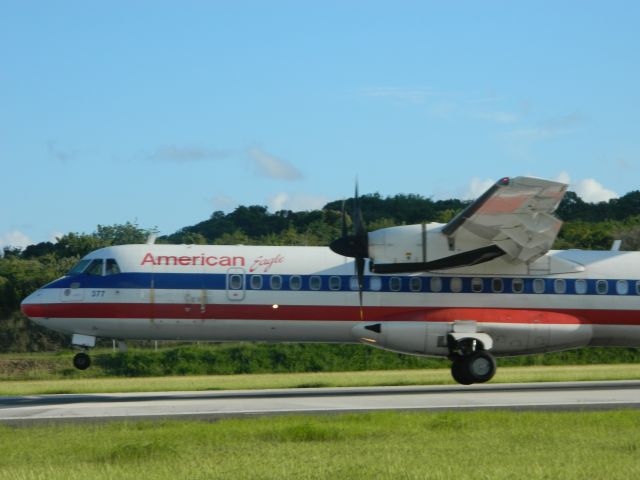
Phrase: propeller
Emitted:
{"points": [[355, 245]]}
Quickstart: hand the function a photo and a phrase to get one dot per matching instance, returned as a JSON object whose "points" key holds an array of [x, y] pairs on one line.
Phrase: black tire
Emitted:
{"points": [[480, 366], [459, 371], [81, 361]]}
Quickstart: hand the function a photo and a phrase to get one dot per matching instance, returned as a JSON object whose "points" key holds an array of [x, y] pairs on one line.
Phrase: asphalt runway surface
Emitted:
{"points": [[220, 404]]}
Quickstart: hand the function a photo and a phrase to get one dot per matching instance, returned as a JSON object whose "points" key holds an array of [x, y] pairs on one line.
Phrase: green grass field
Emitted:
{"points": [[471, 445], [439, 376]]}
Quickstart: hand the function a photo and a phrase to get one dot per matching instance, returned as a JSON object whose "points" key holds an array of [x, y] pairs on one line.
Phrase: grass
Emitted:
{"points": [[307, 380], [462, 445]]}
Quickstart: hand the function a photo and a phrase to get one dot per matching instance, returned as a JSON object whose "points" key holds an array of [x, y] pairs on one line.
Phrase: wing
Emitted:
{"points": [[515, 214]]}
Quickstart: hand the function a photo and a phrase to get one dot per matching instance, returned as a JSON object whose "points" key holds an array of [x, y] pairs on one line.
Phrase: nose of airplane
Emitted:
{"points": [[29, 305]]}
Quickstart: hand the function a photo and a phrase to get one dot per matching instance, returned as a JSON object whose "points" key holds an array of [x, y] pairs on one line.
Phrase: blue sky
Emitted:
{"points": [[162, 112]]}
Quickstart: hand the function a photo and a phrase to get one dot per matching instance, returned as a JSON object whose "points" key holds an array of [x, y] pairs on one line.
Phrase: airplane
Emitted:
{"points": [[484, 285]]}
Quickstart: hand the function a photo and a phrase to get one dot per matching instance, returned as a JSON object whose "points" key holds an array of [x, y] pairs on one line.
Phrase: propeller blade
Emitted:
{"points": [[359, 228], [355, 245]]}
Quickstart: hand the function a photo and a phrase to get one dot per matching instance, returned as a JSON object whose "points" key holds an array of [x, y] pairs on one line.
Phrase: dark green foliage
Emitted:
{"points": [[573, 207], [254, 225], [79, 244], [403, 209], [19, 277], [18, 334], [258, 358], [221, 359]]}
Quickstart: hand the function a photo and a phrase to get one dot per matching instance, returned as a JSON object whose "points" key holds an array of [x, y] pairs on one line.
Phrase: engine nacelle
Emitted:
{"points": [[421, 247], [407, 244], [416, 338]]}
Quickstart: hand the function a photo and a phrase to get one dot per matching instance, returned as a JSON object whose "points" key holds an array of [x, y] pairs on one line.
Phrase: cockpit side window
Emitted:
{"points": [[112, 267], [79, 267], [95, 267]]}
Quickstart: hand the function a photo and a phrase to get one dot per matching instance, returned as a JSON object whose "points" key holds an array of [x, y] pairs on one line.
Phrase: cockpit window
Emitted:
{"points": [[94, 268], [79, 268], [112, 267]]}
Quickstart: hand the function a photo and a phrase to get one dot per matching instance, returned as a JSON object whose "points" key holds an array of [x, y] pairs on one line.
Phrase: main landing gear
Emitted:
{"points": [[470, 363]]}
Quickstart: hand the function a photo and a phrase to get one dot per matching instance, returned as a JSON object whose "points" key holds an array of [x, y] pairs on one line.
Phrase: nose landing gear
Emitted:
{"points": [[81, 361]]}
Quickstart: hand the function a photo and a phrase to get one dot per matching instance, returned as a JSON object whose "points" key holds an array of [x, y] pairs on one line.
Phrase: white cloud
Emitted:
{"points": [[588, 189], [296, 202], [477, 187], [54, 236], [15, 238], [563, 177], [273, 167], [172, 153], [592, 191], [278, 201]]}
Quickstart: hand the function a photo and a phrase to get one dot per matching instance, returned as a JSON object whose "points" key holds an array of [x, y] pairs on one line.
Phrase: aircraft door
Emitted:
{"points": [[235, 284]]}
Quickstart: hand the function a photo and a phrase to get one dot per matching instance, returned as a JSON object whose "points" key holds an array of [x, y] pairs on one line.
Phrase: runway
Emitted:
{"points": [[221, 404]]}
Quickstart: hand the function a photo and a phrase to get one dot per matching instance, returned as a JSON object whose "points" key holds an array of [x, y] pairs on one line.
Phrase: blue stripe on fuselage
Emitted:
{"points": [[187, 281], [218, 281]]}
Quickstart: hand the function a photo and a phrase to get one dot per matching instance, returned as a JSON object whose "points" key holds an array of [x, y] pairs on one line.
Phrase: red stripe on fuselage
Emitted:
{"points": [[330, 313]]}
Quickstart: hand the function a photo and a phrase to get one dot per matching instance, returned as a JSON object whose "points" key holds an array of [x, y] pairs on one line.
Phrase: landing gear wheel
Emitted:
{"points": [[481, 366], [478, 367], [459, 371], [81, 361]]}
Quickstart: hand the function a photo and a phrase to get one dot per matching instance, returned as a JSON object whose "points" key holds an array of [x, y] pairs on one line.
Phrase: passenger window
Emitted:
{"points": [[602, 287], [395, 284], [415, 284], [538, 285], [95, 268], [476, 285], [456, 284], [497, 285], [581, 286], [638, 287], [112, 267], [295, 282], [275, 282], [353, 283], [622, 287], [435, 284], [334, 283], [256, 282], [375, 284], [315, 282], [517, 285], [560, 286], [235, 282]]}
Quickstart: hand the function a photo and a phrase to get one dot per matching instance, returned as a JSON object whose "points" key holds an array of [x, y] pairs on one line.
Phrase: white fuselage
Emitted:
{"points": [[309, 294]]}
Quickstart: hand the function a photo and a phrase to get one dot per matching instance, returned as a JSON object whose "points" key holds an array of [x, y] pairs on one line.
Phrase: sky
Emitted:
{"points": [[160, 113]]}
